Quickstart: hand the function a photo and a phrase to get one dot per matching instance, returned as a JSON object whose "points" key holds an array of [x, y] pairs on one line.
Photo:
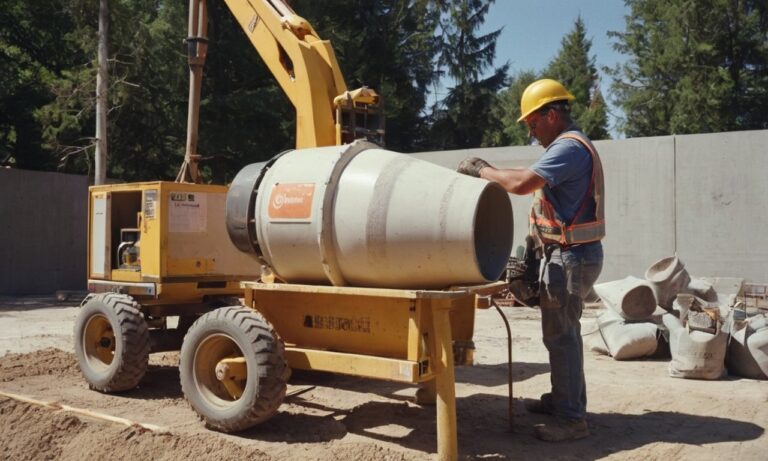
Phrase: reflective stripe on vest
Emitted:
{"points": [[547, 228]]}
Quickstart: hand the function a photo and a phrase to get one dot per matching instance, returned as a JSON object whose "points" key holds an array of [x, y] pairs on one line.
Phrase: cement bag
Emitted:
{"points": [[632, 298], [668, 277], [594, 340], [747, 353], [702, 289], [626, 340], [695, 354]]}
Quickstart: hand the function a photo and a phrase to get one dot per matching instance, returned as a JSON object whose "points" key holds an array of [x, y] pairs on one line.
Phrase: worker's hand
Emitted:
{"points": [[471, 166]]}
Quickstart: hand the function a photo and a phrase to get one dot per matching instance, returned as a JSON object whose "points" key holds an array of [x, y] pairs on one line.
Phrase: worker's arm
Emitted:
{"points": [[520, 181]]}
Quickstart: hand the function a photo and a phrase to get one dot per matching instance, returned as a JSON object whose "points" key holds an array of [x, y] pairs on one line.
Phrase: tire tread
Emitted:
{"points": [[266, 350], [131, 326]]}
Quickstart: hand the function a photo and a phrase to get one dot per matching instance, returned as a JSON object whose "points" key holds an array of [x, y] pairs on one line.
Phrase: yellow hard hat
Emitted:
{"points": [[540, 93]]}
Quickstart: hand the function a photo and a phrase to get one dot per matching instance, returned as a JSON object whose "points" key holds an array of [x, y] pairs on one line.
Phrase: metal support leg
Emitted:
{"points": [[447, 444], [510, 408]]}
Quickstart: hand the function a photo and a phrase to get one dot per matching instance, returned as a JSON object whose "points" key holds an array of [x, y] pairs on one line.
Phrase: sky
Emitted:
{"points": [[533, 30]]}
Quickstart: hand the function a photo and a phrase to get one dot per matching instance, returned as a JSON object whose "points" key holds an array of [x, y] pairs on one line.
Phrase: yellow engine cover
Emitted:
{"points": [[183, 235]]}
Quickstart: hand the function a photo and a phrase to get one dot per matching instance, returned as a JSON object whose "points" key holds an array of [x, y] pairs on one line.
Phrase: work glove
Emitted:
{"points": [[471, 166]]}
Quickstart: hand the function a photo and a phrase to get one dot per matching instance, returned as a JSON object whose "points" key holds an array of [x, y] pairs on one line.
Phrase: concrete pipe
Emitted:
{"points": [[359, 215]]}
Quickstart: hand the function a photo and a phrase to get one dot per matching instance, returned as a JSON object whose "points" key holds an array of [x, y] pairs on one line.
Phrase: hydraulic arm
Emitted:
{"points": [[304, 66]]}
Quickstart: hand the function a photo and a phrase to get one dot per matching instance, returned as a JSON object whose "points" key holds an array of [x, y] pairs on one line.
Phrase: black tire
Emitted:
{"points": [[231, 332], [112, 342]]}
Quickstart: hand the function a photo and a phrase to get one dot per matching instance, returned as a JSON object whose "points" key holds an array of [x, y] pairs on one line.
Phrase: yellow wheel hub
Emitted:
{"points": [[99, 341], [220, 370]]}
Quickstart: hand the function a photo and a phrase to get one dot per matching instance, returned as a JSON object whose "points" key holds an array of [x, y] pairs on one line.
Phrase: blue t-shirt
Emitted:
{"points": [[566, 166]]}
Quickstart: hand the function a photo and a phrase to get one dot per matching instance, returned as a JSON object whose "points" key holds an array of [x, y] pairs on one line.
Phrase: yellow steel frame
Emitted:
{"points": [[304, 66], [398, 335]]}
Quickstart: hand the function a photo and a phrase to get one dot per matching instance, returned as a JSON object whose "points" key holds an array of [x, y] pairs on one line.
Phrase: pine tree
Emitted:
{"points": [[466, 57], [47, 104], [148, 97], [575, 68], [693, 67], [28, 67], [505, 130], [389, 45]]}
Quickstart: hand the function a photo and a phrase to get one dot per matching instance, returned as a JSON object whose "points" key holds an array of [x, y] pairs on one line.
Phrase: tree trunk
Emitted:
{"points": [[102, 81]]}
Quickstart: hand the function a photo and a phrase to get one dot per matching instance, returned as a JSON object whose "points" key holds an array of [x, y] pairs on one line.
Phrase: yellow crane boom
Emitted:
{"points": [[304, 66]]}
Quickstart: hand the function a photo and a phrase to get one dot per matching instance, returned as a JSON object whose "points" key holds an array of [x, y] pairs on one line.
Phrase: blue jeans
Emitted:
{"points": [[568, 277]]}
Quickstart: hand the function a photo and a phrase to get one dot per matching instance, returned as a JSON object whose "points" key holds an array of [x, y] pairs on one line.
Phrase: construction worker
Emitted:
{"points": [[566, 224]]}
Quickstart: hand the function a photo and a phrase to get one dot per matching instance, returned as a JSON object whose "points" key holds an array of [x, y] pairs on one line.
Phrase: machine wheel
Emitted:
{"points": [[233, 369], [112, 342]]}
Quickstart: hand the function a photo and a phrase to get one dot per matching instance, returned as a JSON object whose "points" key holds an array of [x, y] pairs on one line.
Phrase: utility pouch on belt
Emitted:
{"points": [[523, 273]]}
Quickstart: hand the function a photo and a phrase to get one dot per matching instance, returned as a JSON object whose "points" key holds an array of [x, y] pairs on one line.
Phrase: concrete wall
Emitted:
{"points": [[702, 196], [43, 228], [722, 203]]}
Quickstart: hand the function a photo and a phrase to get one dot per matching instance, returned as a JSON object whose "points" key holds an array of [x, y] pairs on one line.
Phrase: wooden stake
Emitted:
{"points": [[82, 411]]}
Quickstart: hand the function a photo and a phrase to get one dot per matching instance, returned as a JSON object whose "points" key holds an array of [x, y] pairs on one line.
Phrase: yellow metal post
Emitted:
{"points": [[447, 444], [393, 334]]}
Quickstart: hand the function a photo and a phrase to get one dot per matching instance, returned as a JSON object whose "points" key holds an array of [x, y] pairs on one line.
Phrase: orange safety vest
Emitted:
{"points": [[546, 228]]}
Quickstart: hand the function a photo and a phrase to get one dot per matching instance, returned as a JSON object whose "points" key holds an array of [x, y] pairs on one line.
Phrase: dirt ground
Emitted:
{"points": [[636, 411]]}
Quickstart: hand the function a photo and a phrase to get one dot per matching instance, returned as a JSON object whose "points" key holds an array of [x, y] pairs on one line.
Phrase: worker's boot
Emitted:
{"points": [[542, 406], [562, 430]]}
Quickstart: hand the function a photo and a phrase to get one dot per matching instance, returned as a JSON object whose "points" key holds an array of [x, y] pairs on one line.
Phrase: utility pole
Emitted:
{"points": [[102, 82], [197, 50]]}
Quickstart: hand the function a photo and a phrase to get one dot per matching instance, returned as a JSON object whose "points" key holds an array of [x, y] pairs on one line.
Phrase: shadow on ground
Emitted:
{"points": [[498, 374], [28, 303], [302, 420], [160, 382], [611, 432], [490, 436]]}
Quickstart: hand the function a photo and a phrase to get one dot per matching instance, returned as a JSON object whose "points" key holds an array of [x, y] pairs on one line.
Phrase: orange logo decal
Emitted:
{"points": [[291, 201]]}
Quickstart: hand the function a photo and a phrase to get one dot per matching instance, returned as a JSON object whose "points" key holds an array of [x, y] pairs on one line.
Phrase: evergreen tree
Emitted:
{"points": [[47, 93], [505, 130], [388, 45], [242, 117], [575, 68], [28, 67], [693, 67], [466, 56]]}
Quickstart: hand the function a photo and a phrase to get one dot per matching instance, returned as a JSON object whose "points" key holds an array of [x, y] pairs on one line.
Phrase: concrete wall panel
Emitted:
{"points": [[640, 212], [722, 204], [43, 230]]}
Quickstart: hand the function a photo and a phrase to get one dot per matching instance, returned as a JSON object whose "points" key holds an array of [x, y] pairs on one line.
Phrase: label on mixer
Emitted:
{"points": [[187, 212], [332, 322], [291, 201]]}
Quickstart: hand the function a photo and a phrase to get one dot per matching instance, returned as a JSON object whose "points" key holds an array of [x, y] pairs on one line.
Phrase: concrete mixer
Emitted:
{"points": [[362, 216], [371, 248], [348, 259]]}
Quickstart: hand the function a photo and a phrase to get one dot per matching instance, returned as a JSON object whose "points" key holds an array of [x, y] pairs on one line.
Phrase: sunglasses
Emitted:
{"points": [[541, 113]]}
